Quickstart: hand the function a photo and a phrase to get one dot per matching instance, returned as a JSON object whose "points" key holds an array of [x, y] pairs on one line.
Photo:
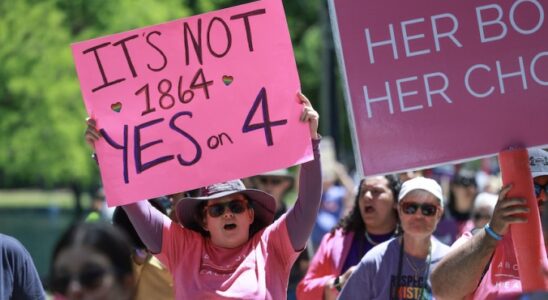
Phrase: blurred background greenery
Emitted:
{"points": [[46, 173]]}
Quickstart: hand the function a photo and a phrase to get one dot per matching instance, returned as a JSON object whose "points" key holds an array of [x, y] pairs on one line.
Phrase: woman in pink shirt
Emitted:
{"points": [[228, 247]]}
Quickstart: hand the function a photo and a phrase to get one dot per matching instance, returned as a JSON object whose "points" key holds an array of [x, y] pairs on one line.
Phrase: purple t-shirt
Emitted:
{"points": [[376, 275], [18, 276]]}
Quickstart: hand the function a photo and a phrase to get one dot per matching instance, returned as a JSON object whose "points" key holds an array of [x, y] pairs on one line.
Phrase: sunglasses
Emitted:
{"points": [[90, 279], [427, 210], [539, 188], [270, 180], [235, 206]]}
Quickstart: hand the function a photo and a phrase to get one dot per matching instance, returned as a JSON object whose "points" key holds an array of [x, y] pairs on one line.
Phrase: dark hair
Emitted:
{"points": [[101, 237], [353, 220], [121, 220], [255, 227], [464, 179]]}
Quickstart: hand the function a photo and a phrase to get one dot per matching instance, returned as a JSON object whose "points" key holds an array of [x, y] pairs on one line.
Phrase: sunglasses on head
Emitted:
{"points": [[427, 210], [539, 188], [270, 180], [90, 279], [236, 206]]}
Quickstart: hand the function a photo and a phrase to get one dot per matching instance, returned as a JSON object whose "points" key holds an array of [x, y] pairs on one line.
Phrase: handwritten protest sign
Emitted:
{"points": [[432, 82], [194, 101]]}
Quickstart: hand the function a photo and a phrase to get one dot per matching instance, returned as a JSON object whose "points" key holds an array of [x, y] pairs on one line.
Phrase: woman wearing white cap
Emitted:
{"points": [[399, 268], [228, 247]]}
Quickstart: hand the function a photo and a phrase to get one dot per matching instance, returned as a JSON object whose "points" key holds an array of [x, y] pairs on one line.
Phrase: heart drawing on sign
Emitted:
{"points": [[117, 107], [227, 80]]}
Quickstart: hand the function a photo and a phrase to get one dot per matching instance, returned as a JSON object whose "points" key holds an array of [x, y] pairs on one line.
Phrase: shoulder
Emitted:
{"points": [[11, 245], [377, 253]]}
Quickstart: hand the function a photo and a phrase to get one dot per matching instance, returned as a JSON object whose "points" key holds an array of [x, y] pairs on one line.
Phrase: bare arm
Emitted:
{"points": [[459, 272]]}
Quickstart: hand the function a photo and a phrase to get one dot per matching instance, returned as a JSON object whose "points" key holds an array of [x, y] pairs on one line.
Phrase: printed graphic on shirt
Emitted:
{"points": [[410, 288], [208, 267]]}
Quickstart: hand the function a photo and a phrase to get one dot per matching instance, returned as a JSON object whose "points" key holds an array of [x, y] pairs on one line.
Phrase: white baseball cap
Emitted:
{"points": [[421, 183], [538, 160]]}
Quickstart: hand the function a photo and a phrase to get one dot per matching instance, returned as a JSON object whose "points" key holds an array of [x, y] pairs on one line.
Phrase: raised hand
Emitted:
{"points": [[92, 134], [309, 115], [508, 211]]}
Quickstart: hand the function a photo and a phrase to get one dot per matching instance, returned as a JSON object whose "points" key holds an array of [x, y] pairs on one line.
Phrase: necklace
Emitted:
{"points": [[371, 241], [395, 292], [418, 270]]}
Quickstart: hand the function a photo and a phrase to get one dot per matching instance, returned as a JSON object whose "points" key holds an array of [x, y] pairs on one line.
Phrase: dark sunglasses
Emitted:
{"points": [[427, 210], [235, 206], [270, 180], [539, 188], [90, 279]]}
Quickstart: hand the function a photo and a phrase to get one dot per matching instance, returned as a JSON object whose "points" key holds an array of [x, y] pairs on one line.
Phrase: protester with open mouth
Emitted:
{"points": [[399, 268], [372, 221], [228, 246]]}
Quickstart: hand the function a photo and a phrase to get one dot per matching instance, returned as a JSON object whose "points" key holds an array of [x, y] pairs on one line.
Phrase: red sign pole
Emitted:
{"points": [[527, 237]]}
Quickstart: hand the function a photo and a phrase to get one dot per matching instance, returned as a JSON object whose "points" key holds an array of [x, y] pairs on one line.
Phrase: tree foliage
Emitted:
{"points": [[41, 111]]}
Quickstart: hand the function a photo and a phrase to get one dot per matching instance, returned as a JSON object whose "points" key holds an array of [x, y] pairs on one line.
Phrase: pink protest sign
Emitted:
{"points": [[194, 101], [432, 82]]}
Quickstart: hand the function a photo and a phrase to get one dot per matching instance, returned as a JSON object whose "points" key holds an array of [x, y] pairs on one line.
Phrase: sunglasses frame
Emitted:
{"points": [[83, 278], [244, 204], [423, 207], [540, 188]]}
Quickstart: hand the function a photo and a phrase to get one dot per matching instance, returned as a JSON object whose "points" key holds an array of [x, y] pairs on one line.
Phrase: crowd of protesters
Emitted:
{"points": [[418, 235]]}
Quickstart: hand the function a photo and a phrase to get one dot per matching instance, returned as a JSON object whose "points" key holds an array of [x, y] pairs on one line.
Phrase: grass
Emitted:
{"points": [[32, 198]]}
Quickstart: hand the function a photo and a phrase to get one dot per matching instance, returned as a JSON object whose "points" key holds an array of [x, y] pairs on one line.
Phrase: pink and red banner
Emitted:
{"points": [[194, 101], [433, 82]]}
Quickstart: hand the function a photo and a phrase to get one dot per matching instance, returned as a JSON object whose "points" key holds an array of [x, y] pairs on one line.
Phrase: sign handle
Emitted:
{"points": [[527, 237]]}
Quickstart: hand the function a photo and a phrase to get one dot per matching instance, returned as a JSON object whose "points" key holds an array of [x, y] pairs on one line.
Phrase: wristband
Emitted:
{"points": [[492, 233]]}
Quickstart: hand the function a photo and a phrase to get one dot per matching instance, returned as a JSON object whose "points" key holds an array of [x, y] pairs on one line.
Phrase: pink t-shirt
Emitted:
{"points": [[258, 269], [501, 281]]}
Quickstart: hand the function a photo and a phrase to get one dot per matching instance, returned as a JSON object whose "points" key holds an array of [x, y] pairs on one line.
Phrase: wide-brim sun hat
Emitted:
{"points": [[421, 183], [263, 203], [538, 161]]}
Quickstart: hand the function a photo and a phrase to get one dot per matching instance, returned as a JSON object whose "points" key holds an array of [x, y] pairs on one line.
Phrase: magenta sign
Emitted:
{"points": [[433, 82]]}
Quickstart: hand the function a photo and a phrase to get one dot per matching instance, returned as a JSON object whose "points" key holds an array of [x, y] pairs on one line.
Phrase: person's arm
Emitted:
{"points": [[359, 285], [18, 264], [458, 274], [319, 273], [148, 223], [301, 217], [146, 219]]}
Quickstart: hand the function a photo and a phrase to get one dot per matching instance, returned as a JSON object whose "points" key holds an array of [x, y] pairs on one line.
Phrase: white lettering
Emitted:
{"points": [[469, 88], [533, 70], [482, 24], [450, 34], [502, 76], [402, 94], [391, 41], [407, 37], [430, 92], [369, 100], [540, 20]]}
